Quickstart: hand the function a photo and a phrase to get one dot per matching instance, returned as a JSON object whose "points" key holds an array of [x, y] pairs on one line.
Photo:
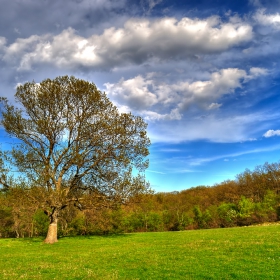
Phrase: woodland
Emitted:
{"points": [[252, 198]]}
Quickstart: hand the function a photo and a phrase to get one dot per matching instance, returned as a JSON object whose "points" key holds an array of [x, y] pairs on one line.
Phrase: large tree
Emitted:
{"points": [[74, 146]]}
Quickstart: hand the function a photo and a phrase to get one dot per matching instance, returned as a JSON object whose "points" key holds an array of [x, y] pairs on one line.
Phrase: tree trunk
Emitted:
{"points": [[52, 231]]}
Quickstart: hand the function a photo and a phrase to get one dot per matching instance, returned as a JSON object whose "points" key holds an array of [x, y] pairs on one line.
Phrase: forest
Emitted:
{"points": [[252, 198]]}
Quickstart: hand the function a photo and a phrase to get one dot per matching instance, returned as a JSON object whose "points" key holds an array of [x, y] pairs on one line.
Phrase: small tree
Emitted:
{"points": [[74, 146]]}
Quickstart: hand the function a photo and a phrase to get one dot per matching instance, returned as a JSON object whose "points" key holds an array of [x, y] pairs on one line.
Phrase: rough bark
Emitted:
{"points": [[52, 230]]}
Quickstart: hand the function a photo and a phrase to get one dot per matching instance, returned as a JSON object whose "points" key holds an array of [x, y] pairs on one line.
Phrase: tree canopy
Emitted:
{"points": [[73, 141]]}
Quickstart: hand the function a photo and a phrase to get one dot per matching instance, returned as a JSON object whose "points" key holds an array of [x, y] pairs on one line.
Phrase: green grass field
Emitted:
{"points": [[234, 253]]}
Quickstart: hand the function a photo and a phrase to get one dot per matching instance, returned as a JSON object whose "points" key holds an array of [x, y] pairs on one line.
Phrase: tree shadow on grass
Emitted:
{"points": [[28, 239], [94, 236]]}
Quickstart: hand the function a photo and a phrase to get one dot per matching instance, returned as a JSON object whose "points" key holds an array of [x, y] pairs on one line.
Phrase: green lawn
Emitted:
{"points": [[234, 253]]}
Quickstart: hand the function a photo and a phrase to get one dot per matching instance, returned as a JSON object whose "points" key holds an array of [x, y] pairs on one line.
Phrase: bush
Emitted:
{"points": [[41, 223]]}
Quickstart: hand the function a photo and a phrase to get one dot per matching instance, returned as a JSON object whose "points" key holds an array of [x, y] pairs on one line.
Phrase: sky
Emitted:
{"points": [[203, 74]]}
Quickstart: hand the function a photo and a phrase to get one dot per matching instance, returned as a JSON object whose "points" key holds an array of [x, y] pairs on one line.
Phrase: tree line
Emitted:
{"points": [[252, 198]]}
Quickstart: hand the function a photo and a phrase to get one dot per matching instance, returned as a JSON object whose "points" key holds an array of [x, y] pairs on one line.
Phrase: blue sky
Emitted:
{"points": [[203, 74]]}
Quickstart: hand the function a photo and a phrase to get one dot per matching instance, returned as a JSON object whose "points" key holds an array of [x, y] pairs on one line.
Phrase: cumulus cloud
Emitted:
{"points": [[157, 100], [136, 92], [139, 41], [271, 133], [203, 93]]}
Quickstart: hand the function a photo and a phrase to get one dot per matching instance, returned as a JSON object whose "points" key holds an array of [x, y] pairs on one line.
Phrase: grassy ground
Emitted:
{"points": [[235, 253]]}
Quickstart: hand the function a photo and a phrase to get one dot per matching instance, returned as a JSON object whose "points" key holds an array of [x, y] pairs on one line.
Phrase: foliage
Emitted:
{"points": [[41, 223], [227, 214], [6, 222], [201, 219]]}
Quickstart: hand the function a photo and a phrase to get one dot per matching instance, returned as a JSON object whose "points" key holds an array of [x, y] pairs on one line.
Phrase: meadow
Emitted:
{"points": [[230, 253]]}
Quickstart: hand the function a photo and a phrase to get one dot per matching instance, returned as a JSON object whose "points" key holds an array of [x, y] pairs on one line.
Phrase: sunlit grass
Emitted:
{"points": [[235, 253]]}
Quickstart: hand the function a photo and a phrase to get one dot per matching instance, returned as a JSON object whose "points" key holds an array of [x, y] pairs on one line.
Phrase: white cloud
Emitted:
{"points": [[139, 40], [153, 116], [175, 163], [157, 100], [214, 106], [170, 150], [153, 171], [268, 19], [2, 42], [200, 161], [256, 71], [203, 93], [213, 128], [135, 92], [271, 133]]}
